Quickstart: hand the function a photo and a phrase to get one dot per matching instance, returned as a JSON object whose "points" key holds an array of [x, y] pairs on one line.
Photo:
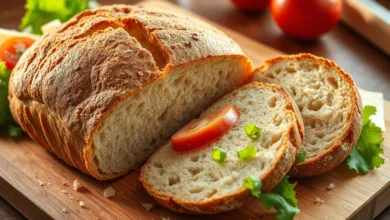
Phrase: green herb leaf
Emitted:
{"points": [[282, 197], [365, 156], [300, 157], [39, 12], [247, 153], [219, 155], [252, 131], [15, 131]]}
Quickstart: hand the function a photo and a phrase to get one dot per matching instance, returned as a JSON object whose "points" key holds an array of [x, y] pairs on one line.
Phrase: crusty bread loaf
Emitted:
{"points": [[192, 182], [104, 90], [330, 105]]}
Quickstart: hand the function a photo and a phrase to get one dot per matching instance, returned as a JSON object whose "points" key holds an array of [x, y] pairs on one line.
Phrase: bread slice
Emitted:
{"points": [[109, 86], [192, 182], [330, 106]]}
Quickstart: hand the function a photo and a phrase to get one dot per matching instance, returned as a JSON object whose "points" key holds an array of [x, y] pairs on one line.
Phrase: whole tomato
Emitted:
{"points": [[13, 48], [251, 5], [306, 19]]}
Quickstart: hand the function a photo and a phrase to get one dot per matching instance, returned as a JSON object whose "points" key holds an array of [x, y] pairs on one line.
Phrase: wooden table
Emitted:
{"points": [[369, 66]]}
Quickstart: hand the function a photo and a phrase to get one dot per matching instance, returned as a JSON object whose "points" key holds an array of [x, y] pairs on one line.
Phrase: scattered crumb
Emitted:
{"points": [[77, 185], [319, 201], [109, 192], [147, 206], [64, 191], [65, 184], [331, 186], [64, 210], [165, 218], [82, 204], [71, 197], [41, 183], [49, 184]]}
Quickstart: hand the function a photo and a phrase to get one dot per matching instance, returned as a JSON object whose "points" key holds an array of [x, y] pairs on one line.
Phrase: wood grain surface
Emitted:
{"points": [[25, 165]]}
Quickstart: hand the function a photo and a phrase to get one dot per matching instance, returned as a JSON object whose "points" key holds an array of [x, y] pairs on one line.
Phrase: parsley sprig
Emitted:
{"points": [[365, 156], [282, 197]]}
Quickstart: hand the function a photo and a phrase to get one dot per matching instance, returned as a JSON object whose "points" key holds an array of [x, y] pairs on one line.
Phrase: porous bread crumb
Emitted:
{"points": [[147, 206], [41, 183], [109, 192], [319, 201], [64, 210], [82, 204], [77, 185], [64, 191], [331, 186]]}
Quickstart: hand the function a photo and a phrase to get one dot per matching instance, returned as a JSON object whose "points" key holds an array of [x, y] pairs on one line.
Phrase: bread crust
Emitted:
{"points": [[81, 72], [340, 150], [270, 179]]}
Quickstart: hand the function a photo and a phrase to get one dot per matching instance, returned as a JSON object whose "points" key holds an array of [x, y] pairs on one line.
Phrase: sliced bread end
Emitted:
{"points": [[330, 106]]}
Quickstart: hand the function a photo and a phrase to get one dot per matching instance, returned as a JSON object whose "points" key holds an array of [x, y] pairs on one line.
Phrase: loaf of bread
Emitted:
{"points": [[330, 105], [109, 86], [192, 182]]}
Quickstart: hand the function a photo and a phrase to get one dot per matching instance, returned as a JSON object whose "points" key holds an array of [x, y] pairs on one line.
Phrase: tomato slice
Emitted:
{"points": [[13, 48], [203, 131]]}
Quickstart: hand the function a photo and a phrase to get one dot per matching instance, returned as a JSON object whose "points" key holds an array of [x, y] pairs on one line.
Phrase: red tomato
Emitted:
{"points": [[306, 19], [13, 48], [251, 5], [203, 131]]}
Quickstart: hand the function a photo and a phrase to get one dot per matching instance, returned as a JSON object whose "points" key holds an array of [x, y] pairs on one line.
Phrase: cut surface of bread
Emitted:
{"points": [[329, 103], [192, 182], [106, 88]]}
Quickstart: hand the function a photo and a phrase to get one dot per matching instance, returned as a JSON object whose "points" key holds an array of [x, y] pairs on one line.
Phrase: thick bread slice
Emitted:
{"points": [[109, 86], [193, 183], [330, 105]]}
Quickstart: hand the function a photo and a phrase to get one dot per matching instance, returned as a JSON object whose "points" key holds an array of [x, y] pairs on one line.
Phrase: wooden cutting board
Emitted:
{"points": [[25, 166]]}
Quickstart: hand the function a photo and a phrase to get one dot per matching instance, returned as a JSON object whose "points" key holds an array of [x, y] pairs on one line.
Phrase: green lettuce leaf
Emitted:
{"points": [[7, 124], [366, 154], [39, 12]]}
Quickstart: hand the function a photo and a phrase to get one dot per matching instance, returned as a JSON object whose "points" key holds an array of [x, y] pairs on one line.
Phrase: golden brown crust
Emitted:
{"points": [[81, 72], [340, 150], [278, 170]]}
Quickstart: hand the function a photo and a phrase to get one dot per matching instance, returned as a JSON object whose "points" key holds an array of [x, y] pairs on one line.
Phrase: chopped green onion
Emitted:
{"points": [[252, 131], [248, 152], [254, 184], [300, 157], [219, 155]]}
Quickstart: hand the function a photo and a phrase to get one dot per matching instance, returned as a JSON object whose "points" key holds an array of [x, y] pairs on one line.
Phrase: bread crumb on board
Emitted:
{"points": [[147, 206], [77, 185], [64, 210], [331, 186], [41, 183], [109, 192], [319, 201], [64, 191], [82, 204]]}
